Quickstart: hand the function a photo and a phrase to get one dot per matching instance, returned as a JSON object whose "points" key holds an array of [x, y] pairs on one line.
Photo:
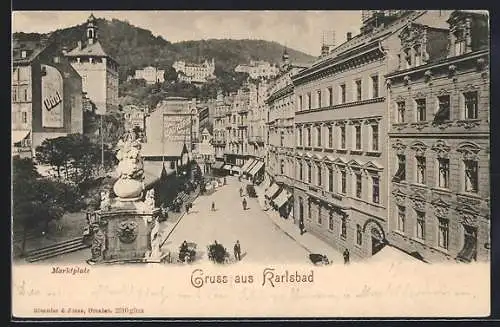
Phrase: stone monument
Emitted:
{"points": [[126, 228]]}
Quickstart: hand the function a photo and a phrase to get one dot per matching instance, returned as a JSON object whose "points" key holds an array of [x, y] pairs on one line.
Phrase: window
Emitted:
{"points": [[318, 99], [330, 137], [343, 227], [470, 105], [300, 136], [301, 170], [309, 215], [375, 86], [342, 137], [359, 235], [309, 173], [358, 90], [359, 186], [309, 136], [418, 57], [357, 130], [401, 172], [282, 138], [375, 189], [420, 225], [24, 117], [25, 94], [471, 176], [401, 111], [330, 179], [318, 136], [319, 176], [343, 181], [320, 220], [330, 96], [407, 56], [282, 167], [309, 101], [300, 103], [460, 47], [401, 218], [443, 112], [421, 108], [375, 137], [342, 93], [443, 231], [14, 94], [444, 172], [420, 169], [330, 221]]}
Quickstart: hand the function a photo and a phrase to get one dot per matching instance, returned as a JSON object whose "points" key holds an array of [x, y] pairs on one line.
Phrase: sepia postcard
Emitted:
{"points": [[231, 164]]}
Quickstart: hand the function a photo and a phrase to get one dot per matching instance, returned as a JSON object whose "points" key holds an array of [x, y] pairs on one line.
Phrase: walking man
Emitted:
{"points": [[301, 226], [244, 204], [241, 192], [213, 205], [187, 208], [237, 251], [346, 256]]}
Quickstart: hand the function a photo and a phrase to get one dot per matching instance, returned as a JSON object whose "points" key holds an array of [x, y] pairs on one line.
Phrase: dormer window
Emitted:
{"points": [[24, 54]]}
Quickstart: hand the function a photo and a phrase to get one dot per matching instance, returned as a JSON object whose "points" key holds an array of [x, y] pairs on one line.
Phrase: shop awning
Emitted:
{"points": [[252, 164], [153, 172], [218, 164], [18, 136], [247, 164], [227, 167], [272, 190], [256, 168], [282, 198]]}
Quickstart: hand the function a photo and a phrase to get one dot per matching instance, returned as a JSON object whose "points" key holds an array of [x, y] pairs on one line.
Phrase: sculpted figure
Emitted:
{"points": [[150, 199], [105, 202], [98, 244]]}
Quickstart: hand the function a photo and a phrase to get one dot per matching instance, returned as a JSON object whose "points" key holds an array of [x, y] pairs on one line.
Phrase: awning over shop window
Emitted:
{"points": [[236, 168], [218, 164], [282, 198], [247, 164], [227, 167], [252, 164], [256, 168], [153, 172], [272, 190], [18, 136]]}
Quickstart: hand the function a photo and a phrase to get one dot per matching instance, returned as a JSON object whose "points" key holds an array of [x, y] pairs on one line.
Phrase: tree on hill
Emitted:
{"points": [[170, 74]]}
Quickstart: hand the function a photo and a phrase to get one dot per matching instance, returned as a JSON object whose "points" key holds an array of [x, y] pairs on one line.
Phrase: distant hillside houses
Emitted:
{"points": [[258, 69], [151, 74], [195, 73]]}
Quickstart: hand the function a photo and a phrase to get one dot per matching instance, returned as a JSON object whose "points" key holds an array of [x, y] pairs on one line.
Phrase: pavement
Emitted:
{"points": [[261, 240], [309, 242]]}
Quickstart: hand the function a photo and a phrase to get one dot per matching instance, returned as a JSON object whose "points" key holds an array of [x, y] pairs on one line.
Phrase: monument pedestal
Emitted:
{"points": [[122, 233]]}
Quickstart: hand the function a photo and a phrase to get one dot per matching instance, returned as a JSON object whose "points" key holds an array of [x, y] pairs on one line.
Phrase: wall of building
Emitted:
{"points": [[95, 81]]}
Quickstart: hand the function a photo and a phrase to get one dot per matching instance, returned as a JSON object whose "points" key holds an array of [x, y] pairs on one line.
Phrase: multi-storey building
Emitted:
{"points": [[237, 128], [439, 136], [221, 118], [98, 70], [341, 157], [258, 69], [46, 95], [280, 136], [195, 73], [150, 74]]}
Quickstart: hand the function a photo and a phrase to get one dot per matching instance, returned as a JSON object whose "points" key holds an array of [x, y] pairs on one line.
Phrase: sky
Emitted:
{"points": [[300, 30]]}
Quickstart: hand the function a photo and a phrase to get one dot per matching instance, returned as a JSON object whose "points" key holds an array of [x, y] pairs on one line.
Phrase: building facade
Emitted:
{"points": [[258, 69], [98, 70], [236, 152], [221, 119], [341, 153], [280, 136], [46, 96], [151, 74], [439, 206], [195, 73]]}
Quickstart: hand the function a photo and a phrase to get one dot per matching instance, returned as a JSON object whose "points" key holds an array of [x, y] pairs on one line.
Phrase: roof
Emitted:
{"points": [[159, 149], [94, 49], [33, 49]]}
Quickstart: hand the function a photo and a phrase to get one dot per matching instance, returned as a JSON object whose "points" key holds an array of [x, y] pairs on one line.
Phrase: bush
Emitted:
{"points": [[217, 253], [251, 191]]}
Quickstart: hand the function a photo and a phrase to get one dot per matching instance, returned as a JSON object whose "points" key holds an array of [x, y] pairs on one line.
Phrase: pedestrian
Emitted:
{"points": [[225, 182], [237, 250], [241, 192], [346, 256], [301, 226], [187, 208], [213, 205], [244, 204]]}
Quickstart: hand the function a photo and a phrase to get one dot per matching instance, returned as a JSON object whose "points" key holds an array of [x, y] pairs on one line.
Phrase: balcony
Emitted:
{"points": [[256, 139]]}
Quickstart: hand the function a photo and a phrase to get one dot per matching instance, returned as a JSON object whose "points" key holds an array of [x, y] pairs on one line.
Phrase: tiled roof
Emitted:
{"points": [[158, 149], [33, 48], [94, 49]]}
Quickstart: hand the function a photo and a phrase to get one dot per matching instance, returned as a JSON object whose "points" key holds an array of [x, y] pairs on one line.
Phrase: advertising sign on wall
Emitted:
{"points": [[52, 97], [177, 128]]}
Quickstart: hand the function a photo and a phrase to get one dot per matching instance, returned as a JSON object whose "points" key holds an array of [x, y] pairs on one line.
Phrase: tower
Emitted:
{"points": [[285, 58], [327, 42], [91, 29]]}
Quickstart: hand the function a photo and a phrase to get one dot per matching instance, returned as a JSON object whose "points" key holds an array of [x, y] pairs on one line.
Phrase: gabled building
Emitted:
{"points": [[46, 95], [99, 71], [439, 96], [150, 74]]}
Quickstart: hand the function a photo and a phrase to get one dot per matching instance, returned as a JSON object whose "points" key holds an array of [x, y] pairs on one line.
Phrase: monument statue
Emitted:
{"points": [[130, 169]]}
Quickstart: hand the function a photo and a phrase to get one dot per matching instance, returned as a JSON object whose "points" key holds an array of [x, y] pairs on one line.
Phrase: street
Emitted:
{"points": [[261, 241]]}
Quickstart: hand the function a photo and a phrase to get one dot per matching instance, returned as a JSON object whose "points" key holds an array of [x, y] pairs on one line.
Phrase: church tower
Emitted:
{"points": [[91, 29]]}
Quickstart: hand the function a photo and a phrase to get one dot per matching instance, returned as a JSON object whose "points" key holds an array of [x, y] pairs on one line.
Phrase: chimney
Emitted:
{"points": [[349, 36]]}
